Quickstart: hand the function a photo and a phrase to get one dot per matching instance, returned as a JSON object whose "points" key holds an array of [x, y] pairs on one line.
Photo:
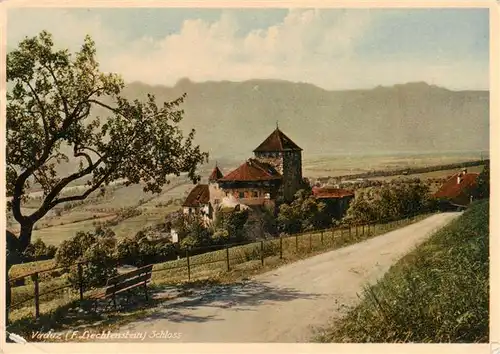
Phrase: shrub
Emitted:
{"points": [[96, 249], [99, 266], [38, 251], [127, 251]]}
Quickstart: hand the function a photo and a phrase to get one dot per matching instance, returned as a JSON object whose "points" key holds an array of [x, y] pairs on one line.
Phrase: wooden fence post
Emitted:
{"points": [[281, 247], [188, 265], [350, 231], [80, 280], [262, 253], [297, 243], [321, 236], [37, 296], [310, 242], [227, 258]]}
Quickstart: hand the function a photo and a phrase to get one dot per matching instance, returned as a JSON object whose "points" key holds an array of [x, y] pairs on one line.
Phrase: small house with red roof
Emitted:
{"points": [[336, 200], [202, 197], [458, 190]]}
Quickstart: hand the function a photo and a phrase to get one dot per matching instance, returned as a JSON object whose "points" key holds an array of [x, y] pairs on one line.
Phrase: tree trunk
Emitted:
{"points": [[25, 235], [13, 256]]}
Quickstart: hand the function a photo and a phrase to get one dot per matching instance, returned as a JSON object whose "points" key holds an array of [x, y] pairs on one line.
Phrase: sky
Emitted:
{"points": [[334, 49]]}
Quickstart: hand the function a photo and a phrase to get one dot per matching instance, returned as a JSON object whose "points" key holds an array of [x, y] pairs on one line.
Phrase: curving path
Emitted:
{"points": [[284, 305]]}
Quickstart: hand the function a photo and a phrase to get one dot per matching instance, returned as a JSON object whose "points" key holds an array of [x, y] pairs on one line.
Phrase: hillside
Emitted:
{"points": [[232, 118]]}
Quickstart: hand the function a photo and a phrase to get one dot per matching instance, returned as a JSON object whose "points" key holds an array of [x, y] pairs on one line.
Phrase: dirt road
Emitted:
{"points": [[284, 304]]}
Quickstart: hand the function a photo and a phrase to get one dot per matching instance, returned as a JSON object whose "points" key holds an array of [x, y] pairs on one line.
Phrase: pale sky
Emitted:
{"points": [[331, 48]]}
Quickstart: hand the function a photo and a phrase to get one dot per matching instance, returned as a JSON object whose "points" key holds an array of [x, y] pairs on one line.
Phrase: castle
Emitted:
{"points": [[272, 176]]}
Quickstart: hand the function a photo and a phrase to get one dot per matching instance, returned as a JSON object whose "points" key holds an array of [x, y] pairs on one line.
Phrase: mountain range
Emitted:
{"points": [[233, 118]]}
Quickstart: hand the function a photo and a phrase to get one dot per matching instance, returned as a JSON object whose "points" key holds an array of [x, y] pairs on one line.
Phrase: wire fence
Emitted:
{"points": [[52, 285]]}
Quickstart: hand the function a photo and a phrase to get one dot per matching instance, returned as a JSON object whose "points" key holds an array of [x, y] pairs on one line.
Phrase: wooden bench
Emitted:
{"points": [[123, 283]]}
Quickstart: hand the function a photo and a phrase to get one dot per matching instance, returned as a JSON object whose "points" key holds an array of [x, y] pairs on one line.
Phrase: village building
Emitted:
{"points": [[458, 190], [336, 200], [198, 203]]}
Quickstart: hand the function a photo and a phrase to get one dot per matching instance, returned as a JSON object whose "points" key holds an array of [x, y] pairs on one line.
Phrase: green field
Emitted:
{"points": [[433, 174], [438, 293], [314, 167]]}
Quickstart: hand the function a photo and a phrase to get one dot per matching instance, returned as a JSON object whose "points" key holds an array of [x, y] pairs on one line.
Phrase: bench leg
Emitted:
{"points": [[146, 291]]}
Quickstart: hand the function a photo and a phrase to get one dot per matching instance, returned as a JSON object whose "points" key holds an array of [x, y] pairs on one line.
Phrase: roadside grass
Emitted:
{"points": [[18, 270], [209, 268], [437, 293]]}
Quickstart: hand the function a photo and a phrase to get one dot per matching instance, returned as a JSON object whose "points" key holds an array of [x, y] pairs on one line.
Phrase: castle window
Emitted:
{"points": [[242, 194], [255, 194], [216, 201], [267, 196]]}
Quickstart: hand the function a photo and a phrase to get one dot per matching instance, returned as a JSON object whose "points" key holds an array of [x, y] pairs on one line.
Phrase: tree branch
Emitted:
{"points": [[84, 195], [63, 98], [46, 206], [108, 107], [77, 153], [43, 112]]}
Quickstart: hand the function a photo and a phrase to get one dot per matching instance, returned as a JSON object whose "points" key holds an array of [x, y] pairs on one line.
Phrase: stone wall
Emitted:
{"points": [[292, 173]]}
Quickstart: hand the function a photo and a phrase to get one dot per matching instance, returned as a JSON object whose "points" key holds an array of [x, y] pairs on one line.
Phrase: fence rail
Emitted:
{"points": [[190, 263]]}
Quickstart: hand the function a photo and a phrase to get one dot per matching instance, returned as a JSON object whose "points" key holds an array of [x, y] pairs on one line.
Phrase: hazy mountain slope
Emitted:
{"points": [[232, 118]]}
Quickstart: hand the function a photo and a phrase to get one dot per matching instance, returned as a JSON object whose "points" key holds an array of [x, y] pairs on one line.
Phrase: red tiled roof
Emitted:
{"points": [[452, 189], [216, 174], [328, 192], [277, 141], [253, 170], [199, 195]]}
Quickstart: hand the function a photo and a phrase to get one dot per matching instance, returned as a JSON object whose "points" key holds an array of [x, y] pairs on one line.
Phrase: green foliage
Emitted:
{"points": [[100, 265], [305, 213], [38, 251], [483, 183], [140, 250], [438, 293], [127, 250], [49, 102], [96, 249], [221, 237], [391, 201], [232, 222]]}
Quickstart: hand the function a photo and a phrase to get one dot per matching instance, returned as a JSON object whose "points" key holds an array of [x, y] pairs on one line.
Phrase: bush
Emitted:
{"points": [[96, 249], [140, 251], [38, 251], [100, 265], [127, 251]]}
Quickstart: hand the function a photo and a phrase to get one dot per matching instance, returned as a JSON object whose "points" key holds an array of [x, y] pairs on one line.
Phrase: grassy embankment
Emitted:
{"points": [[437, 293]]}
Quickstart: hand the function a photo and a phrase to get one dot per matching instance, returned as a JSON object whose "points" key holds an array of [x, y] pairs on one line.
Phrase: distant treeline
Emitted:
{"points": [[407, 171]]}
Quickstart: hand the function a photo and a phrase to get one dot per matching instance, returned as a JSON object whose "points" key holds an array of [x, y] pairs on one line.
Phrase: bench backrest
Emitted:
{"points": [[129, 279]]}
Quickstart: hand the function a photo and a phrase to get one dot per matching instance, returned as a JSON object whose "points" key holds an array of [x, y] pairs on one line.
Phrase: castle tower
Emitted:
{"points": [[286, 156], [216, 193]]}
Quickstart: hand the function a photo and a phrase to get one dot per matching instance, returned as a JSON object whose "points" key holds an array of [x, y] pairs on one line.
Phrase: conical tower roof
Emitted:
{"points": [[277, 141], [215, 175]]}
